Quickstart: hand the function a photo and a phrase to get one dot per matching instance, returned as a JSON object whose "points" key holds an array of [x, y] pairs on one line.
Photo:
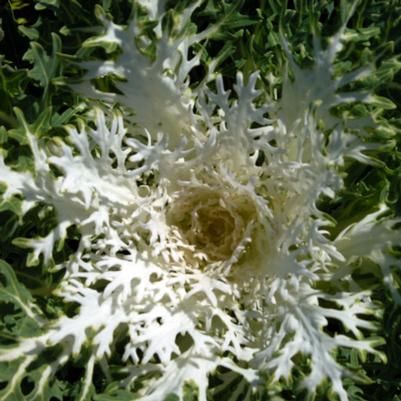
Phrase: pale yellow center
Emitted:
{"points": [[213, 221]]}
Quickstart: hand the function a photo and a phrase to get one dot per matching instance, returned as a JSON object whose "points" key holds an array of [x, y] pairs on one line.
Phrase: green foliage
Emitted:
{"points": [[13, 291]]}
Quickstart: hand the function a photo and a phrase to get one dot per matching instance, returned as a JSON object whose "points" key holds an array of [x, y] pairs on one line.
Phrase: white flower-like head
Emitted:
{"points": [[201, 243]]}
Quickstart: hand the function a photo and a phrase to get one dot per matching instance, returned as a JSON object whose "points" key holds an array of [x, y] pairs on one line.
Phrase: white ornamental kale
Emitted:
{"points": [[201, 243]]}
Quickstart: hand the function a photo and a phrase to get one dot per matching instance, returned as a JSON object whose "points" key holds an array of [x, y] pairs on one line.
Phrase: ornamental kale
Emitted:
{"points": [[194, 225]]}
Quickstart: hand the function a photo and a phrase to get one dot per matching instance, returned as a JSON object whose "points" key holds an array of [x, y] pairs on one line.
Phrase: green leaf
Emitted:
{"points": [[382, 102], [362, 34], [45, 67], [12, 291], [13, 205], [117, 395], [31, 33], [29, 384]]}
